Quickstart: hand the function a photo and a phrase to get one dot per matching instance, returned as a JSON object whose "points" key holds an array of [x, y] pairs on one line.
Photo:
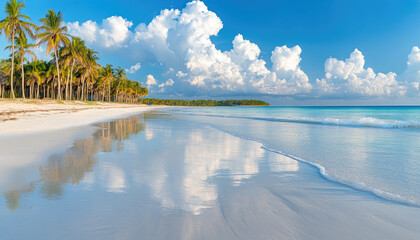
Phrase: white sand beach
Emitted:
{"points": [[29, 116]]}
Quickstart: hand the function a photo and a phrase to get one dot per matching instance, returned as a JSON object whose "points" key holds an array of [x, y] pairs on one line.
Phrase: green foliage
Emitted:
{"points": [[74, 72], [204, 103]]}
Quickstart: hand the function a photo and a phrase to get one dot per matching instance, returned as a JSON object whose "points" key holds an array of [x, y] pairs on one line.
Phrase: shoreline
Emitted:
{"points": [[26, 116], [378, 193], [244, 191], [264, 194]]}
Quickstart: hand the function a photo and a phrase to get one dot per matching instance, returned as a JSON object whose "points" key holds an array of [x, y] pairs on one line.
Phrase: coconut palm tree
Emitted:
{"points": [[14, 23], [53, 33], [120, 74], [23, 49], [107, 76], [90, 67], [36, 72], [50, 78], [4, 75], [143, 92], [71, 55]]}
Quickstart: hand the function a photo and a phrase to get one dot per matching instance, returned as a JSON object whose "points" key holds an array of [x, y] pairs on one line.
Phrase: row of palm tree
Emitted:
{"points": [[73, 73]]}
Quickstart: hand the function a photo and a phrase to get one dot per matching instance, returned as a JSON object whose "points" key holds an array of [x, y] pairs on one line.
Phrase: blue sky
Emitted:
{"points": [[384, 32]]}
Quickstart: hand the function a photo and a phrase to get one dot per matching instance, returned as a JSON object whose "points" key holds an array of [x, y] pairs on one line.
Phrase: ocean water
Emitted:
{"points": [[151, 176], [374, 149], [212, 173]]}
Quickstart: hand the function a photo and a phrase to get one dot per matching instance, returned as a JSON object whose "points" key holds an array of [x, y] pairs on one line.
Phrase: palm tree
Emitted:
{"points": [[120, 74], [4, 72], [36, 72], [71, 55], [54, 34], [90, 67], [51, 75], [143, 92], [14, 23], [23, 49], [107, 77]]}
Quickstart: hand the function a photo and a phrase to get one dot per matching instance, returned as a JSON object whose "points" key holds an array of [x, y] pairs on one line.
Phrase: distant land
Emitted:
{"points": [[206, 103]]}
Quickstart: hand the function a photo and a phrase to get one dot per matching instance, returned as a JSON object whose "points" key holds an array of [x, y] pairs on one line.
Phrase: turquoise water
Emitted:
{"points": [[375, 149]]}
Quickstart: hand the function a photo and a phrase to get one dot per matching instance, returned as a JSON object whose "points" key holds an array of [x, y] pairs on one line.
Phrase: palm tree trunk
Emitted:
{"points": [[13, 65], [52, 90], [78, 91], [109, 91], [83, 87], [71, 81], [87, 92], [58, 74], [30, 91], [23, 81], [37, 92], [67, 85], [118, 90]]}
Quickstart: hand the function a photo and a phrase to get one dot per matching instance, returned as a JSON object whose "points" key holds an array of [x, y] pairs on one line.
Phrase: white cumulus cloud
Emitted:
{"points": [[150, 80], [112, 33], [349, 77], [170, 82], [180, 42], [133, 69], [412, 74]]}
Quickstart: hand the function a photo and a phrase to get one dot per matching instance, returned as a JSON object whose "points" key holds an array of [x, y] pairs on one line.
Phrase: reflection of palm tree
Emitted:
{"points": [[14, 23], [13, 197], [72, 166], [117, 131], [79, 160]]}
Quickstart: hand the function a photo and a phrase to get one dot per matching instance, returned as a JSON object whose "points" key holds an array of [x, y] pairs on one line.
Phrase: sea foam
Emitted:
{"points": [[362, 122]]}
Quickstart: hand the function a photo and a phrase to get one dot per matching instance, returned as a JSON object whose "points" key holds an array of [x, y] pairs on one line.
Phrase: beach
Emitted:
{"points": [[211, 120], [29, 116], [168, 174]]}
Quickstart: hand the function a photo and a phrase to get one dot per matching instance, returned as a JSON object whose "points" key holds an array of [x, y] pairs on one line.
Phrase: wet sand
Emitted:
{"points": [[154, 176]]}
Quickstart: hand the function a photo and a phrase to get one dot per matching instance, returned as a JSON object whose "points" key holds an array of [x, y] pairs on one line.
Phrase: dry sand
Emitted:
{"points": [[29, 116]]}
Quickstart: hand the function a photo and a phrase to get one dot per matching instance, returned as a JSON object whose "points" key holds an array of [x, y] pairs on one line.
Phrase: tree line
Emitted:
{"points": [[73, 73], [207, 103]]}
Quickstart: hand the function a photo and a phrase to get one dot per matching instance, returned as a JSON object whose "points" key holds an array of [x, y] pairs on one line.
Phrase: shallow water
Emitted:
{"points": [[376, 149], [168, 176], [158, 163]]}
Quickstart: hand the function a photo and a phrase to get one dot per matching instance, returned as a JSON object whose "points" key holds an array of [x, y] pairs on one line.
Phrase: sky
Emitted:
{"points": [[286, 52]]}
